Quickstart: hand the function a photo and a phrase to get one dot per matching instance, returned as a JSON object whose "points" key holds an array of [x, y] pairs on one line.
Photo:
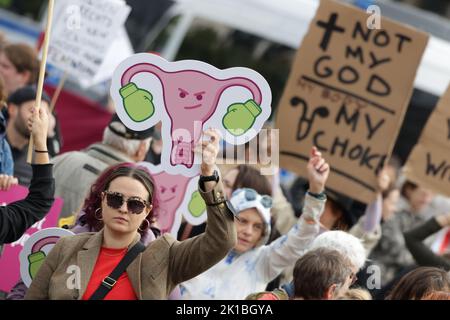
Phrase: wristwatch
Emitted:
{"points": [[203, 179]]}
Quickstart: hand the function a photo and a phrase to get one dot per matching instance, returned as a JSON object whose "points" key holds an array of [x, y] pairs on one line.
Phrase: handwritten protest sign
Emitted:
{"points": [[9, 260], [429, 162], [347, 94], [82, 34], [188, 97], [178, 197]]}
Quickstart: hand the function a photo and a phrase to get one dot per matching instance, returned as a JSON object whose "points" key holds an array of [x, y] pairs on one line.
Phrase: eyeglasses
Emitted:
{"points": [[115, 200], [252, 195]]}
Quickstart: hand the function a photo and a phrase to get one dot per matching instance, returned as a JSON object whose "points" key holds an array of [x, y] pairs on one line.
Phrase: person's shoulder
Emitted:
{"points": [[160, 244], [70, 158], [77, 239]]}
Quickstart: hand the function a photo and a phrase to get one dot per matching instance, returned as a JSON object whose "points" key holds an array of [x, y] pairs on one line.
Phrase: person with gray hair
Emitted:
{"points": [[75, 171], [322, 274], [346, 244]]}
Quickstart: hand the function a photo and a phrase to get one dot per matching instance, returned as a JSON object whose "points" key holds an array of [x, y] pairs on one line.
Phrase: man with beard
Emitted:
{"points": [[20, 106]]}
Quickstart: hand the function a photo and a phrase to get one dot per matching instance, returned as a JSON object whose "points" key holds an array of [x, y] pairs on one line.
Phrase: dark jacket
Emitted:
{"points": [[423, 255], [18, 216]]}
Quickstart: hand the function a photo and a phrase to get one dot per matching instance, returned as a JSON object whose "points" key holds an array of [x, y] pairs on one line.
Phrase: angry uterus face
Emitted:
{"points": [[171, 190], [191, 96]]}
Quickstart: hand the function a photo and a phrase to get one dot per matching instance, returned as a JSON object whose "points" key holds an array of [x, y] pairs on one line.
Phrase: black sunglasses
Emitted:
{"points": [[135, 205]]}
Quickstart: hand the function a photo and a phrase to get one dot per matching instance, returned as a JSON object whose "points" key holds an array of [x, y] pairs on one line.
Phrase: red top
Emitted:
{"points": [[445, 243], [107, 260]]}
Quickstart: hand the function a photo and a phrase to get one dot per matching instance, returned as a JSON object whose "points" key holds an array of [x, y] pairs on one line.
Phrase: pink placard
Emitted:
{"points": [[9, 260]]}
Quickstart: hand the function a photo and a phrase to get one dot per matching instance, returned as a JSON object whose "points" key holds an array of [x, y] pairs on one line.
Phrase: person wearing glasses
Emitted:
{"points": [[252, 264], [322, 274], [80, 266]]}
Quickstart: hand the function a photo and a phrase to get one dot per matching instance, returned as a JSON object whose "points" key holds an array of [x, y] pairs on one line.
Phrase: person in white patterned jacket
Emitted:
{"points": [[251, 265]]}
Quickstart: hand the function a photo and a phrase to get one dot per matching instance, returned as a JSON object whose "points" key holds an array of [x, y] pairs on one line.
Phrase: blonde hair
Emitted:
{"points": [[356, 294]]}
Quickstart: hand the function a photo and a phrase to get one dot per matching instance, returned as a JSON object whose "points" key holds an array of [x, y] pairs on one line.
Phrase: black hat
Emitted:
{"points": [[117, 126], [26, 94]]}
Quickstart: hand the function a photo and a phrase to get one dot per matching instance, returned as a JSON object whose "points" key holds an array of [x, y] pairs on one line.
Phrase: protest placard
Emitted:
{"points": [[188, 97], [347, 94], [429, 162], [83, 33]]}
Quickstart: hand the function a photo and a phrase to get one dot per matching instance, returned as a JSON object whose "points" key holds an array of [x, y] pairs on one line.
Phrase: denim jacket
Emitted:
{"points": [[6, 160]]}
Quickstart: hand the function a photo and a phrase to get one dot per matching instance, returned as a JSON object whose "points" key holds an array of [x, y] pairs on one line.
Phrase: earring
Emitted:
{"points": [[148, 225], [95, 214]]}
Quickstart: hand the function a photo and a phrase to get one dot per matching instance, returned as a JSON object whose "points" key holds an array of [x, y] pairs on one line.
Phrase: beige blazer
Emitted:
{"points": [[154, 273]]}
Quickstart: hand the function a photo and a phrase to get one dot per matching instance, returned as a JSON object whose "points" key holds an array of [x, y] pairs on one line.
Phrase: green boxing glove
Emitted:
{"points": [[36, 260], [137, 102], [241, 117], [196, 205]]}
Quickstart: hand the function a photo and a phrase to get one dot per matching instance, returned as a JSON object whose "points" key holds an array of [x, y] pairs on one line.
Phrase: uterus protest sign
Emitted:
{"points": [[429, 163], [36, 249], [188, 97], [178, 197], [9, 259], [347, 94]]}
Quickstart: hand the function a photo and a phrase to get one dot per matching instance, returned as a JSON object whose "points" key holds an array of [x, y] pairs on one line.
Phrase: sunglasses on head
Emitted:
{"points": [[115, 200], [251, 195]]}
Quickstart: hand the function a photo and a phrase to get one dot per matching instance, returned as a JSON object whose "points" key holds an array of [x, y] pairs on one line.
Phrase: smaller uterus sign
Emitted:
{"points": [[189, 97], [177, 196]]}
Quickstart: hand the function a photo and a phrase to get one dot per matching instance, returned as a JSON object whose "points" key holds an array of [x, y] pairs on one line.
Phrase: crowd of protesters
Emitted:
{"points": [[264, 239]]}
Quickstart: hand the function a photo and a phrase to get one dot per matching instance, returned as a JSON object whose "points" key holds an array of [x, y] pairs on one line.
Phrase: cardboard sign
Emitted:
{"points": [[9, 259], [177, 196], [36, 249], [188, 97], [347, 94], [82, 34], [429, 162]]}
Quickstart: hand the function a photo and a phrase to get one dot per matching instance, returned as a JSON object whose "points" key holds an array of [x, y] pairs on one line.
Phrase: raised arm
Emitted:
{"points": [[421, 253], [368, 227], [287, 249], [17, 217], [193, 256]]}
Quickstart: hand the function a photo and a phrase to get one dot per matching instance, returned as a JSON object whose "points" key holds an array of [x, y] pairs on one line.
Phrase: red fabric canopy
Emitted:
{"points": [[82, 121]]}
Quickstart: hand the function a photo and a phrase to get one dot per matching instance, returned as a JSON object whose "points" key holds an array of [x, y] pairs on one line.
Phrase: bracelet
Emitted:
{"points": [[318, 196], [40, 151]]}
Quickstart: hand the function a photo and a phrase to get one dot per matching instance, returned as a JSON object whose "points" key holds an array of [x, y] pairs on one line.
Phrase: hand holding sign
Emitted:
{"points": [[209, 150], [6, 182]]}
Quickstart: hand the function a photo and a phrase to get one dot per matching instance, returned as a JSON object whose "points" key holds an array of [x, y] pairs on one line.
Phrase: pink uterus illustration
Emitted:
{"points": [[171, 190], [190, 98]]}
